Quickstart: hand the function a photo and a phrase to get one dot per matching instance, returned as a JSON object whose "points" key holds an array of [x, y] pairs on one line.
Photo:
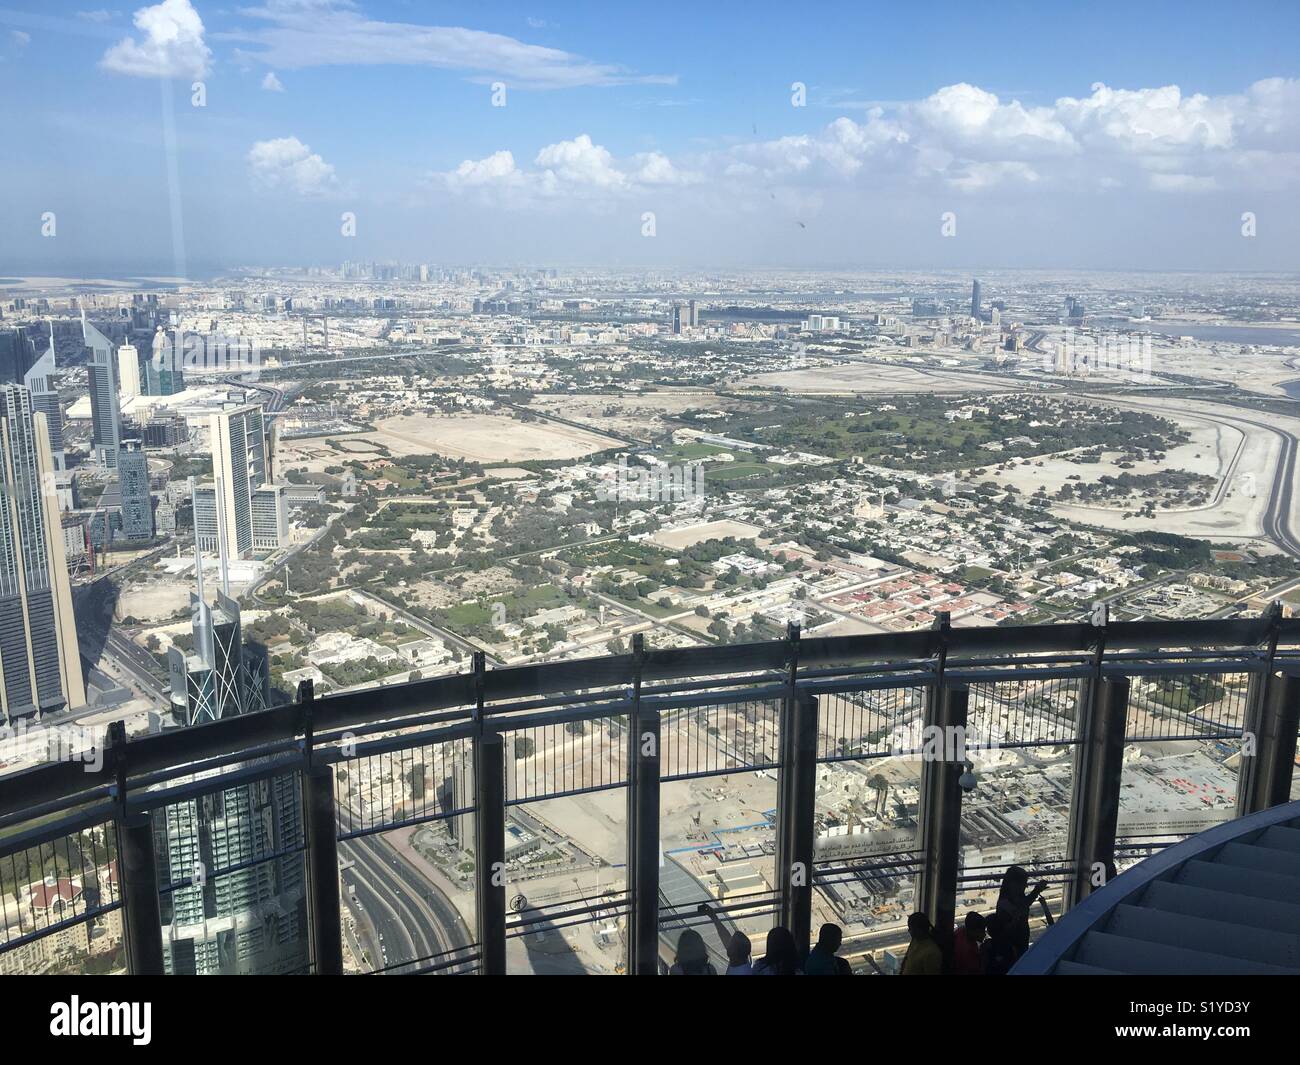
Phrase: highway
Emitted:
{"points": [[413, 917]]}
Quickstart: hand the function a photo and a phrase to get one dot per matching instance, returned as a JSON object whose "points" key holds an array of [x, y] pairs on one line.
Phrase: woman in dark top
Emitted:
{"points": [[692, 956], [1014, 904], [780, 959]]}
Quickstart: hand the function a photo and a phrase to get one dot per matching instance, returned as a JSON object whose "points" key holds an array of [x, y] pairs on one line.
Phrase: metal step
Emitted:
{"points": [[1156, 959], [1279, 837], [1211, 936], [1248, 856], [1238, 881], [1173, 897], [1074, 968]]}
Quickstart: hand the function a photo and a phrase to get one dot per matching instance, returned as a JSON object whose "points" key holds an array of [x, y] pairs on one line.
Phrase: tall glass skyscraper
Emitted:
{"points": [[40, 663], [231, 870], [105, 409], [133, 485]]}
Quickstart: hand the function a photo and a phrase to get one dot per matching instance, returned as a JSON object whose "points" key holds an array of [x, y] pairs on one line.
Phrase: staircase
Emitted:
{"points": [[1225, 901]]}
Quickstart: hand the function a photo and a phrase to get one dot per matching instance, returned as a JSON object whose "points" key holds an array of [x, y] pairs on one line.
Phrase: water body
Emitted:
{"points": [[1260, 336], [1291, 388]]}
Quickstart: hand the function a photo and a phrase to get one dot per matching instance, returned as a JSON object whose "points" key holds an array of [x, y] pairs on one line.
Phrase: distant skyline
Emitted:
{"points": [[1101, 136]]}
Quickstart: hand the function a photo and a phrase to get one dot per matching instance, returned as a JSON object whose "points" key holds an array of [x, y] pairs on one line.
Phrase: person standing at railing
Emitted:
{"points": [[1014, 904], [966, 942], [923, 957], [735, 943], [692, 956], [998, 953], [823, 959], [781, 958]]}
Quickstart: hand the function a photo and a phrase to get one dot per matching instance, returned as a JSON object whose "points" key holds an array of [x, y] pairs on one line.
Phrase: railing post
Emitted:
{"points": [[138, 868], [940, 810], [490, 848], [643, 917], [798, 819], [323, 905], [1252, 731], [142, 912], [1272, 765], [785, 768], [323, 870], [1094, 808], [638, 852]]}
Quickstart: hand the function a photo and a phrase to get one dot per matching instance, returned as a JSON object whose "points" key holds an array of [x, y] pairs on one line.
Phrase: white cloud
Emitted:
{"points": [[1145, 120], [294, 34], [271, 83], [960, 137], [287, 164], [172, 45], [21, 40], [580, 162], [99, 15], [497, 169], [576, 168]]}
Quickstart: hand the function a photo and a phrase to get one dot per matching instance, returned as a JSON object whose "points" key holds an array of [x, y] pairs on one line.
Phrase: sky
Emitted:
{"points": [[185, 137]]}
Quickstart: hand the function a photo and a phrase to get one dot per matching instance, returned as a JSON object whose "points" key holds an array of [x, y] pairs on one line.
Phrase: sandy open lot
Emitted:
{"points": [[484, 438], [875, 377], [675, 539], [637, 416]]}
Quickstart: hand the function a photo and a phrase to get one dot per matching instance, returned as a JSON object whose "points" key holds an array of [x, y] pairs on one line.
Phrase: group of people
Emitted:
{"points": [[981, 946], [780, 959]]}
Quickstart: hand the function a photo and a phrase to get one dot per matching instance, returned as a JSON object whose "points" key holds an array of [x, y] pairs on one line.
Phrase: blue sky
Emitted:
{"points": [[1060, 135]]}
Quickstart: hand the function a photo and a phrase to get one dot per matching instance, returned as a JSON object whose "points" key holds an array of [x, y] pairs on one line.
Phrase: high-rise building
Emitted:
{"points": [[40, 663], [239, 468], [20, 365], [105, 409], [164, 372], [975, 299], [248, 915], [17, 353], [128, 372], [133, 486], [694, 316]]}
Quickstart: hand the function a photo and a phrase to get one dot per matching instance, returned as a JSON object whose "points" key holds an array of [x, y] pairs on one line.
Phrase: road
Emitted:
{"points": [[414, 919]]}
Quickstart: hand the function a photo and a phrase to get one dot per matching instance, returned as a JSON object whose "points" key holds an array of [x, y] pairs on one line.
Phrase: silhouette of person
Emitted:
{"points": [[998, 953], [736, 944], [966, 942], [780, 959], [692, 956], [1014, 903], [923, 957], [822, 959]]}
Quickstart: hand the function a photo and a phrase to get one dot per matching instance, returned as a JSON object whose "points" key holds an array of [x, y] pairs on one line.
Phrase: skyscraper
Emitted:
{"points": [[105, 410], [975, 299], [40, 663], [248, 914], [239, 469], [164, 371], [20, 365], [133, 486], [128, 372]]}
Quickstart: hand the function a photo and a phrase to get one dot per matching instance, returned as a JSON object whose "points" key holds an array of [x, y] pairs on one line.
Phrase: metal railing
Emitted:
{"points": [[263, 808]]}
